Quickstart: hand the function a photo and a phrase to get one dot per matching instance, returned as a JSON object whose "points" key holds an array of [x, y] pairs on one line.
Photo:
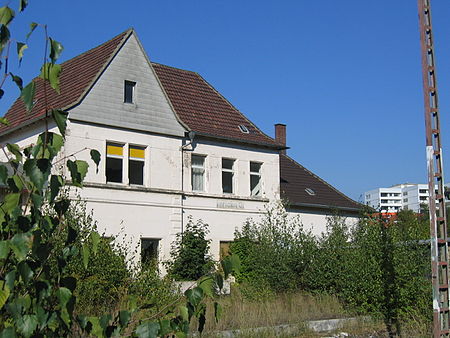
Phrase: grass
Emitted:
{"points": [[292, 308]]}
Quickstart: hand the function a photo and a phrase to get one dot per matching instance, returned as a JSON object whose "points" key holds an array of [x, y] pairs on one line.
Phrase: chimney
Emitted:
{"points": [[280, 135]]}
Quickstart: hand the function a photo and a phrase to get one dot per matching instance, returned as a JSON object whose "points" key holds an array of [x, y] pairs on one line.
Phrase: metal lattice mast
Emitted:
{"points": [[438, 223]]}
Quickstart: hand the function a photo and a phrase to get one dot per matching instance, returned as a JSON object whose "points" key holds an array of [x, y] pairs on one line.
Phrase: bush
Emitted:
{"points": [[190, 257], [273, 252]]}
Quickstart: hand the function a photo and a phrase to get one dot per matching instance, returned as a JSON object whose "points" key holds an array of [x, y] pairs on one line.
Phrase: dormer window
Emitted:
{"points": [[311, 192], [129, 89], [244, 129]]}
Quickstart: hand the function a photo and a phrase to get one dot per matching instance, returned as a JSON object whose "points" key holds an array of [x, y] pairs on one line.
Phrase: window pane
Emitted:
{"points": [[113, 169], [136, 172], [255, 167], [227, 182], [128, 92], [197, 179], [227, 163], [255, 186], [197, 161], [149, 250]]}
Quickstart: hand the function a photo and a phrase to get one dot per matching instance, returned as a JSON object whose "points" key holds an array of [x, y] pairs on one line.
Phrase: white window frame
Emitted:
{"points": [[132, 85], [126, 162], [258, 174], [232, 171]]}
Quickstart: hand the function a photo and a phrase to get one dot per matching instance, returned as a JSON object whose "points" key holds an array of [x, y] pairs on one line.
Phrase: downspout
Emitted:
{"points": [[191, 136]]}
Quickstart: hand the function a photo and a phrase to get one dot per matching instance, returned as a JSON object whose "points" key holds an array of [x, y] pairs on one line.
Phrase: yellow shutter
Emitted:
{"points": [[114, 149], [137, 152]]}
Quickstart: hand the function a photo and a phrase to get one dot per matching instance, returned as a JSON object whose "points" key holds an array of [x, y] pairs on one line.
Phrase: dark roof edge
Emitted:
{"points": [[24, 125], [241, 141], [323, 181], [322, 206]]}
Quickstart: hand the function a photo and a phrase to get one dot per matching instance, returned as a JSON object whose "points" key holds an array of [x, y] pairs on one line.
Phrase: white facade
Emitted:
{"points": [[158, 206]]}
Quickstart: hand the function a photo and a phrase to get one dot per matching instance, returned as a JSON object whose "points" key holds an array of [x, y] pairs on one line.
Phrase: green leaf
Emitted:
{"points": [[15, 150], [4, 37], [165, 328], [26, 324], [207, 285], [78, 170], [217, 311], [3, 174], [6, 15], [38, 171], [96, 328], [4, 249], [56, 182], [64, 295], [55, 50], [21, 245], [11, 201], [60, 117], [219, 281], [54, 145], [95, 239], [25, 272], [95, 156], [86, 253], [27, 95], [194, 295], [20, 49], [8, 332], [147, 330], [183, 312], [235, 263], [10, 279], [22, 5], [33, 26], [17, 80], [226, 266], [124, 317], [4, 293], [50, 72]]}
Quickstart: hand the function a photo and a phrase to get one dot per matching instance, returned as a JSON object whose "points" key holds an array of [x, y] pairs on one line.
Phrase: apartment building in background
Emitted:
{"points": [[408, 196]]}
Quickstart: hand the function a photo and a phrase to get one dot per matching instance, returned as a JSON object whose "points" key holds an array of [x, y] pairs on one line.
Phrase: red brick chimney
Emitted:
{"points": [[280, 135]]}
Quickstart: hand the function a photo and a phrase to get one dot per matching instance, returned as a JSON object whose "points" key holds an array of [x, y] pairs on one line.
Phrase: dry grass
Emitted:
{"points": [[241, 313]]}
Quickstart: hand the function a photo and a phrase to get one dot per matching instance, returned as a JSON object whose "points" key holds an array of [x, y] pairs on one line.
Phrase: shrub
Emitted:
{"points": [[273, 252], [190, 253]]}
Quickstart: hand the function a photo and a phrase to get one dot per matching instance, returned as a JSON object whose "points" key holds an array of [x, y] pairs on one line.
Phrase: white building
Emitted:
{"points": [[401, 196], [171, 147]]}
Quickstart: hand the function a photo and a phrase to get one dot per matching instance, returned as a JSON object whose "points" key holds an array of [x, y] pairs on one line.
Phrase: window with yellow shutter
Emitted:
{"points": [[136, 161], [114, 162]]}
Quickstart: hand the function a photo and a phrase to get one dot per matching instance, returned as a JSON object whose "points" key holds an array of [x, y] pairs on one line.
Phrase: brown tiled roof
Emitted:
{"points": [[204, 110], [295, 179], [77, 76]]}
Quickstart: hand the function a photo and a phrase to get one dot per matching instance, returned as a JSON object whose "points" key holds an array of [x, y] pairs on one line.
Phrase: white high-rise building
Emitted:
{"points": [[401, 196]]}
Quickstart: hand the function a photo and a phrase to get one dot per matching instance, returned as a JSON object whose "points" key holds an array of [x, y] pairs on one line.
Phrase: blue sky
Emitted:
{"points": [[344, 76]]}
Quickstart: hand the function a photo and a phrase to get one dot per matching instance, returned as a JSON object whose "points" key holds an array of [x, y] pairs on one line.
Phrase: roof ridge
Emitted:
{"points": [[320, 179], [233, 107], [129, 30]]}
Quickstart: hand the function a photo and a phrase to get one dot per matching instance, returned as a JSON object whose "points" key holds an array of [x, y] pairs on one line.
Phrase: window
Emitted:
{"points": [[224, 248], [129, 87], [114, 162], [136, 159], [405, 193], [310, 192], [405, 200], [244, 129], [198, 172], [149, 250], [255, 179], [423, 191], [227, 175], [383, 194]]}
